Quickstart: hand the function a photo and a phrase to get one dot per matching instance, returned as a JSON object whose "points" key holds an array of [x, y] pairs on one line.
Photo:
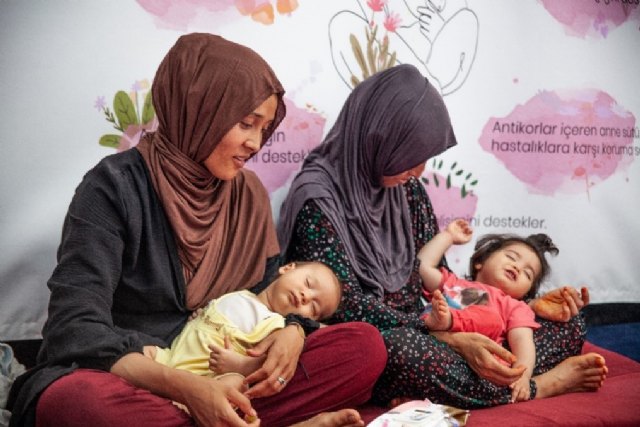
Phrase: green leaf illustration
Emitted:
{"points": [[392, 61], [124, 109], [371, 51], [384, 54], [110, 140], [375, 56], [452, 178], [148, 112], [357, 52]]}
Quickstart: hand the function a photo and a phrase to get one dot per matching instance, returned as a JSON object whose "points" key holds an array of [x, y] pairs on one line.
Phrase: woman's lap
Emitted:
{"points": [[341, 364], [97, 398], [421, 367], [557, 341]]}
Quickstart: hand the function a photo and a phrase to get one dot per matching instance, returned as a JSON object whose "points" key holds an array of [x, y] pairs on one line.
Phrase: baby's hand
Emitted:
{"points": [[224, 360], [521, 389], [460, 231]]}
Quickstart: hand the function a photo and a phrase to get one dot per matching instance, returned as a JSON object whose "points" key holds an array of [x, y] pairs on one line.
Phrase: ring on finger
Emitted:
{"points": [[282, 381]]}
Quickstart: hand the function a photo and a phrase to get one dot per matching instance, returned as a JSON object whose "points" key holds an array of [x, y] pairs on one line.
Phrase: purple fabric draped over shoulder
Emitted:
{"points": [[391, 122]]}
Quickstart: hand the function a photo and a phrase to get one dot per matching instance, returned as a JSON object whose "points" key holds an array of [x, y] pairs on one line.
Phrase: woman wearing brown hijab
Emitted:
{"points": [[156, 232]]}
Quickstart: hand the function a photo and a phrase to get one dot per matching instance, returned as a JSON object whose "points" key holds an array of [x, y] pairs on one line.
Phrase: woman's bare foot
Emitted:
{"points": [[440, 317], [586, 372], [341, 418]]}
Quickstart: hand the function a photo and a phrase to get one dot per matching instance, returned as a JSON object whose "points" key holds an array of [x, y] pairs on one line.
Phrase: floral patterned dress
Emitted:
{"points": [[418, 366]]}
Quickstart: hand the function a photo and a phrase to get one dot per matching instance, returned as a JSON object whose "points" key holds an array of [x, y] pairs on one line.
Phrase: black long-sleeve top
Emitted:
{"points": [[118, 285]]}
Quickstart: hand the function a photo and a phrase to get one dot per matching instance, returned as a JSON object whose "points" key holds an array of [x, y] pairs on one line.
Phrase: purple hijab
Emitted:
{"points": [[390, 123]]}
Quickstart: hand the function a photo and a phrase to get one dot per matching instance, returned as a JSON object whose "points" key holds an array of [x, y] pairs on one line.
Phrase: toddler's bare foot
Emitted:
{"points": [[586, 372], [341, 418], [440, 317]]}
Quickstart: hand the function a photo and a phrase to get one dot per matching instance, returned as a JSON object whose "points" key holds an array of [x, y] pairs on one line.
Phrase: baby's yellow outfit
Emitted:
{"points": [[237, 315]]}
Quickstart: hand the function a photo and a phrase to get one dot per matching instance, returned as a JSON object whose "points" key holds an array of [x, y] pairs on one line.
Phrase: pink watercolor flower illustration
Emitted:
{"points": [[100, 103], [594, 18], [376, 5], [132, 115], [452, 197], [180, 14], [132, 134], [282, 156], [392, 22], [451, 190], [563, 141]]}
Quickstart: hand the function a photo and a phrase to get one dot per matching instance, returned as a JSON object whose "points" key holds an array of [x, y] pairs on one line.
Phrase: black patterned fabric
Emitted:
{"points": [[418, 365]]}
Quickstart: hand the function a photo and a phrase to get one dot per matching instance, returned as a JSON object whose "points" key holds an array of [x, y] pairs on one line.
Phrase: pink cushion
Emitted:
{"points": [[617, 403]]}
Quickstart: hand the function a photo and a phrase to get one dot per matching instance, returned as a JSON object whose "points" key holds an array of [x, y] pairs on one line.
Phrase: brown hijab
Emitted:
{"points": [[224, 230], [390, 123]]}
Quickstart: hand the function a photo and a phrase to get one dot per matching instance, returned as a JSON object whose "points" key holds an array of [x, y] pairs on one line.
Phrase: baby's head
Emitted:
{"points": [[515, 264], [309, 289]]}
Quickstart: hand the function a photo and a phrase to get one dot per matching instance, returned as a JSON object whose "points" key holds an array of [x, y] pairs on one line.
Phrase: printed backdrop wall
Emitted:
{"points": [[544, 96]]}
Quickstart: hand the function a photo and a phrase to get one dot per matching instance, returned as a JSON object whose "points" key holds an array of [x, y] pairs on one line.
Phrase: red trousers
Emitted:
{"points": [[337, 369]]}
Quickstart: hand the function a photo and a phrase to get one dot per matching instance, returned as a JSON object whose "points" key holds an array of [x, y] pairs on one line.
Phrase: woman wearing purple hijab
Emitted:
{"points": [[358, 206]]}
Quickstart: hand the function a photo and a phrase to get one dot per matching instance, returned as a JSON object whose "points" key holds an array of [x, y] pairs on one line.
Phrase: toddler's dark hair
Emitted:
{"points": [[539, 243]]}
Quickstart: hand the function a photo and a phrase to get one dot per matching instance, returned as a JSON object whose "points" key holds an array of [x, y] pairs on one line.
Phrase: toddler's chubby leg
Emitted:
{"points": [[440, 317]]}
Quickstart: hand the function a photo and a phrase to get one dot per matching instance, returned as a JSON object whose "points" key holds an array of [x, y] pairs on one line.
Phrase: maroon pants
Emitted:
{"points": [[337, 369]]}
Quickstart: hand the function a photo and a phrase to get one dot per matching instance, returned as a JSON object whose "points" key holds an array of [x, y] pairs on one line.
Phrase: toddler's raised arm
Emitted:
{"points": [[456, 233]]}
